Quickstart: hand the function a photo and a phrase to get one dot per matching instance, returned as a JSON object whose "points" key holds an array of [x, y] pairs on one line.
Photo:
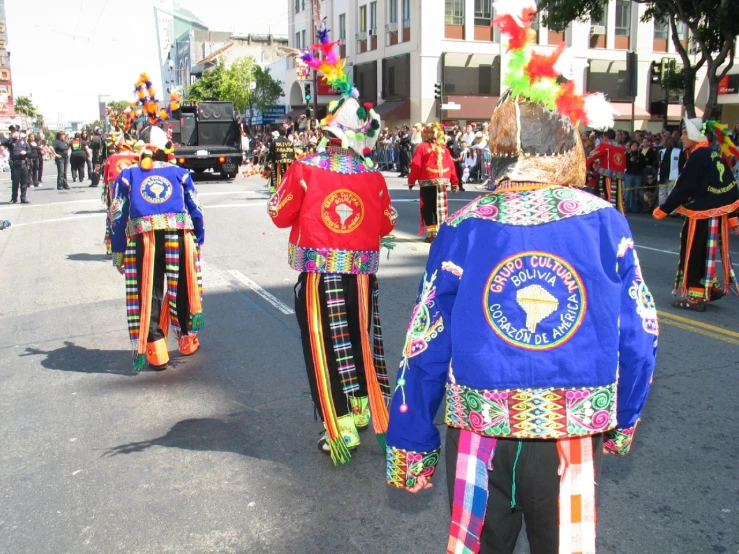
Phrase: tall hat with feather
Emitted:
{"points": [[534, 135], [355, 124]]}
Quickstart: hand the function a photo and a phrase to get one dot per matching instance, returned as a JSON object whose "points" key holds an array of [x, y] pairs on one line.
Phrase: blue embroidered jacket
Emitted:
{"points": [[533, 320], [162, 198]]}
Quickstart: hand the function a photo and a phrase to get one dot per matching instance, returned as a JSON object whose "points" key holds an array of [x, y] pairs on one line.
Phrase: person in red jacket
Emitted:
{"points": [[612, 165], [433, 169], [338, 206]]}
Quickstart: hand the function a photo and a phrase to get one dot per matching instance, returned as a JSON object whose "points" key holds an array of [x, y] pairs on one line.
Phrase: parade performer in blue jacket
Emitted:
{"points": [[156, 233], [535, 325]]}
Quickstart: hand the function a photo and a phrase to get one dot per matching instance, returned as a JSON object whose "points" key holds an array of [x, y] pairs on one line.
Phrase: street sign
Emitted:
{"points": [[451, 106], [271, 115]]}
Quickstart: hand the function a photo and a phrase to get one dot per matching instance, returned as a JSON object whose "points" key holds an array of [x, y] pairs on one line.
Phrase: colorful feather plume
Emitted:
{"points": [[723, 137], [536, 77]]}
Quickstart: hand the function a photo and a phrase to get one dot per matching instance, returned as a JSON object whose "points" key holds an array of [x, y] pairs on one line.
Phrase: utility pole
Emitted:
{"points": [[314, 10]]}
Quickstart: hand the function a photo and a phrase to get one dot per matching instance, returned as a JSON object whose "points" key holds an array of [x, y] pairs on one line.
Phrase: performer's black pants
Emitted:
{"points": [[40, 174], [78, 167], [35, 163], [351, 295], [62, 165], [428, 205], [89, 167], [698, 251], [405, 162], [160, 284], [95, 171], [20, 180], [537, 493]]}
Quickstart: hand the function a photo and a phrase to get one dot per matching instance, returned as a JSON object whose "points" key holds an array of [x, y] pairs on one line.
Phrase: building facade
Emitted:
{"points": [[397, 50]]}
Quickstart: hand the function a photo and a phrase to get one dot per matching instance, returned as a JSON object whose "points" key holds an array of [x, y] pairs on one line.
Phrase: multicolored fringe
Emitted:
{"points": [[611, 190], [577, 515], [137, 332], [442, 205], [718, 239], [340, 337], [378, 399], [194, 285], [474, 459], [379, 346], [339, 452]]}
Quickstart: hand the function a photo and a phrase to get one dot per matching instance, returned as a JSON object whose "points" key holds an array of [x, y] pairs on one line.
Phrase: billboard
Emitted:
{"points": [[729, 84], [7, 108]]}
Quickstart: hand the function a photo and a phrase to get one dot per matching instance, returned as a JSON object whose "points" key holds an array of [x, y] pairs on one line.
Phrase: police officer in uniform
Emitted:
{"points": [[20, 175], [281, 155]]}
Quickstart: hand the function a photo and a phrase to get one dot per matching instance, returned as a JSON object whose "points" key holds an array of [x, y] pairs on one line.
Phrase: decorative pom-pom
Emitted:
{"points": [[366, 152], [598, 111], [146, 163], [359, 136], [361, 113], [368, 106], [371, 133], [375, 124], [355, 92]]}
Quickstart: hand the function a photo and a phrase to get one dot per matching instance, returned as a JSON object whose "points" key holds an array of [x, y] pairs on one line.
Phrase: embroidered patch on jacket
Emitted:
{"points": [[156, 189], [342, 211], [534, 300]]}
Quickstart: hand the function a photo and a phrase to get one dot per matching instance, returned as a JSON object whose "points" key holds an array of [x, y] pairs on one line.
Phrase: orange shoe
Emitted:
{"points": [[189, 344], [157, 355]]}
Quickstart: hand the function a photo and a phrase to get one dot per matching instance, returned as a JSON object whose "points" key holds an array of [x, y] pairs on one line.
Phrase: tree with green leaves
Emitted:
{"points": [[238, 82], [713, 26], [118, 105], [267, 91], [209, 86]]}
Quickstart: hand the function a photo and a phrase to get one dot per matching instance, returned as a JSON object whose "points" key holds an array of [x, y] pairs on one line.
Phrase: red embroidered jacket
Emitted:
{"points": [[612, 158], [115, 163], [425, 165], [338, 209]]}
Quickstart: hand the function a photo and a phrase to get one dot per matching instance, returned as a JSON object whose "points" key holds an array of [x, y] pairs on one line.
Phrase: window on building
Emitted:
{"points": [[373, 16], [661, 29], [471, 74], [303, 5], [600, 21], [297, 40], [483, 12], [363, 19], [392, 11], [297, 6], [682, 30], [342, 27], [396, 77], [454, 12], [406, 14], [623, 18], [304, 44]]}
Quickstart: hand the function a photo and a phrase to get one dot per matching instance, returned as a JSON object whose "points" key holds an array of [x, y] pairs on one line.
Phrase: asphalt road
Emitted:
{"points": [[218, 453]]}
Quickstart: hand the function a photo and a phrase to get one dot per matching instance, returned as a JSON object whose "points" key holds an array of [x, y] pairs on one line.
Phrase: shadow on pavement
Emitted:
{"points": [[202, 434], [75, 358], [82, 212], [85, 257]]}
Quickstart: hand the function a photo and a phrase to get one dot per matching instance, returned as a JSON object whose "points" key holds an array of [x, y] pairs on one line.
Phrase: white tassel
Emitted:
{"points": [[599, 112]]}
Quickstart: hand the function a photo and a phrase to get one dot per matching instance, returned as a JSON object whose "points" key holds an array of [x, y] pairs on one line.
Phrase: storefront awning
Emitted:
{"points": [[394, 110], [675, 112]]}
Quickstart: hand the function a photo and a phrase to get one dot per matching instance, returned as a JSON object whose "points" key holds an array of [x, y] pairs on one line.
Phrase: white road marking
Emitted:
{"points": [[284, 308], [666, 251], [229, 192], [28, 206], [250, 205], [57, 220]]}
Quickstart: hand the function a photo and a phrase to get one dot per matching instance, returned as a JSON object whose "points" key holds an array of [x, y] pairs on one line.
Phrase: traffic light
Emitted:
{"points": [[656, 73], [308, 95], [438, 92]]}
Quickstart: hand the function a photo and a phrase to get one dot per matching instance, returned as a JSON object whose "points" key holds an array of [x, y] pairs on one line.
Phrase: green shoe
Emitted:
{"points": [[360, 411], [347, 431]]}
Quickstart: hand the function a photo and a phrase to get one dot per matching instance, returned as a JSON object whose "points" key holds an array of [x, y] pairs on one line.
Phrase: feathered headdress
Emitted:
{"points": [[146, 95], [721, 132], [535, 76], [535, 122], [356, 125]]}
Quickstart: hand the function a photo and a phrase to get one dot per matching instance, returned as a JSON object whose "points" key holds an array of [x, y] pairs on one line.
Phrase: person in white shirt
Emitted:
{"points": [[673, 152], [469, 136]]}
